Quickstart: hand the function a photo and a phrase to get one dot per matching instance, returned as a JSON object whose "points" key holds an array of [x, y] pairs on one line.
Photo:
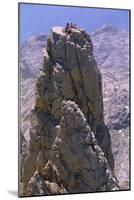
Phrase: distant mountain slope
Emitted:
{"points": [[111, 47], [31, 55]]}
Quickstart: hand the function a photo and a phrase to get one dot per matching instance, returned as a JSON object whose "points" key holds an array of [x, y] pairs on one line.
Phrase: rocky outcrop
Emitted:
{"points": [[80, 161], [70, 147]]}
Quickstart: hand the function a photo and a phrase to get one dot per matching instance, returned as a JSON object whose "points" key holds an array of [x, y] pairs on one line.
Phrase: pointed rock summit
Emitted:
{"points": [[70, 146]]}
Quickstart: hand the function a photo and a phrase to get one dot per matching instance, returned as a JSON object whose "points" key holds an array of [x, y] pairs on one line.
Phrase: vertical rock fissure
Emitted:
{"points": [[89, 114], [72, 80]]}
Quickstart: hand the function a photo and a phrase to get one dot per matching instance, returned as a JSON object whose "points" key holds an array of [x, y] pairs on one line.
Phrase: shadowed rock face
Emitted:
{"points": [[70, 147]]}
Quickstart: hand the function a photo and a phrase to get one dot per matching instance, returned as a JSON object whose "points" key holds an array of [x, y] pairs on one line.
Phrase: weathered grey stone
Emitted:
{"points": [[70, 146], [72, 155]]}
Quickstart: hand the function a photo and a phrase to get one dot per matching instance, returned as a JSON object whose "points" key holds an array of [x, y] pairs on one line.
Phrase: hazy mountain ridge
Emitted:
{"points": [[31, 55], [111, 47]]}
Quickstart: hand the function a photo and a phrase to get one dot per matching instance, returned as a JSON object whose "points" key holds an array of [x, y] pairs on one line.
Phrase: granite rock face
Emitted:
{"points": [[80, 161], [70, 146]]}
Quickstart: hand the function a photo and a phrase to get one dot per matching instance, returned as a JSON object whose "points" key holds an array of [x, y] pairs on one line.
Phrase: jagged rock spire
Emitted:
{"points": [[69, 142]]}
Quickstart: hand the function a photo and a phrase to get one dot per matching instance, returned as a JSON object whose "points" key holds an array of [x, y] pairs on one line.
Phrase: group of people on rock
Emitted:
{"points": [[68, 28]]}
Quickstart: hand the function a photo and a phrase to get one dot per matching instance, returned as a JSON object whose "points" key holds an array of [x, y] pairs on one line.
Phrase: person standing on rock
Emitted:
{"points": [[68, 29], [73, 25]]}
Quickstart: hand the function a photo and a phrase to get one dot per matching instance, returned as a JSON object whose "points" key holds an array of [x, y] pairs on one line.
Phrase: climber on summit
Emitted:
{"points": [[73, 25], [68, 29]]}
